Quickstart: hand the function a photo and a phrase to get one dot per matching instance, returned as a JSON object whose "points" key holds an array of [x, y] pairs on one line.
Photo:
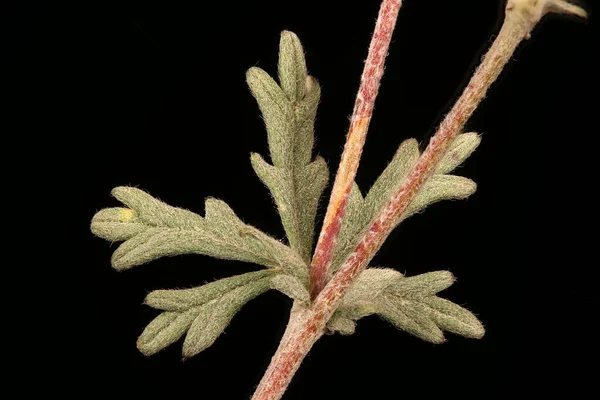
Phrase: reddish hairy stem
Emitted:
{"points": [[303, 330], [307, 325], [514, 30], [359, 125]]}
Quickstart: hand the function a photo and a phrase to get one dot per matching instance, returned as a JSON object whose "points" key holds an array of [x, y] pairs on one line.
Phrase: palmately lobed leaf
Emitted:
{"points": [[216, 315], [202, 312], [152, 229], [289, 111], [409, 303]]}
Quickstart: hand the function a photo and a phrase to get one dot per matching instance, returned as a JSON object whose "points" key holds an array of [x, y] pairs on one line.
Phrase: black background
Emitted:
{"points": [[158, 100]]}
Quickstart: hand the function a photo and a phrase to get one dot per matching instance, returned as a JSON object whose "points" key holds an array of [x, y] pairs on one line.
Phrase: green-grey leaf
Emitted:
{"points": [[164, 330], [453, 318], [407, 316], [440, 187], [221, 234], [116, 223], [278, 115], [214, 316], [424, 285], [408, 303], [460, 149], [289, 112], [291, 287], [292, 66], [181, 300]]}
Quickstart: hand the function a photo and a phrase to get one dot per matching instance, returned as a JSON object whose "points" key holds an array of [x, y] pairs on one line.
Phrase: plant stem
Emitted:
{"points": [[302, 332], [307, 325], [520, 19], [359, 125]]}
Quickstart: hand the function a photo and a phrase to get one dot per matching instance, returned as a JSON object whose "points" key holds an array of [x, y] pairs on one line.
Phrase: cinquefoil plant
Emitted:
{"points": [[332, 287]]}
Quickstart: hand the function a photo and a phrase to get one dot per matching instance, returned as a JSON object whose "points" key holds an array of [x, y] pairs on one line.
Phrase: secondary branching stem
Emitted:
{"points": [[307, 325], [357, 133]]}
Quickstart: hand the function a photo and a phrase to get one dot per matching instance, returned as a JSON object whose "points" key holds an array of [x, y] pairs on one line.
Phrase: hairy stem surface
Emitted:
{"points": [[307, 325], [520, 19], [359, 125]]}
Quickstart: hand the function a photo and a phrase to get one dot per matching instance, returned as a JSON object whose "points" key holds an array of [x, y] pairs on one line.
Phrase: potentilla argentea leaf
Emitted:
{"points": [[291, 287], [409, 303], [184, 299], [165, 330], [295, 182], [460, 149], [216, 315], [203, 312], [170, 231], [424, 285], [453, 318]]}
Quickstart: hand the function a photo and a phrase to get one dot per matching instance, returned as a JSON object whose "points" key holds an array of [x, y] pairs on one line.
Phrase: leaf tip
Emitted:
{"points": [[478, 331], [452, 277], [119, 262], [118, 191], [253, 74], [141, 346], [287, 35]]}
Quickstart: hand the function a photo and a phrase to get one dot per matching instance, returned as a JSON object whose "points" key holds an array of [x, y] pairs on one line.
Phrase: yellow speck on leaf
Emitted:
{"points": [[126, 215]]}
